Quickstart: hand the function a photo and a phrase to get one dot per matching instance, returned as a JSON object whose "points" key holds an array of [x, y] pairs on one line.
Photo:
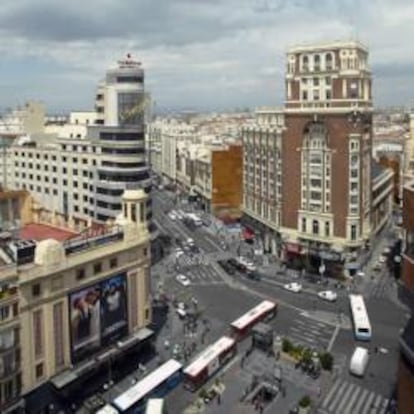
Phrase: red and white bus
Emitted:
{"points": [[208, 362], [265, 310]]}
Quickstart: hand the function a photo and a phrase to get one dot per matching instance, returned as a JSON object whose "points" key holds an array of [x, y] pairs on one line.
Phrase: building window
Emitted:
{"points": [[315, 227], [39, 370], [327, 229], [58, 334], [37, 333], [113, 263], [97, 268], [303, 225], [80, 274], [305, 95], [354, 232], [36, 289], [315, 81]]}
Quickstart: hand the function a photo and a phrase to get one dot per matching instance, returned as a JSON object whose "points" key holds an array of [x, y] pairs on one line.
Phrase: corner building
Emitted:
{"points": [[77, 306], [323, 185], [326, 168]]}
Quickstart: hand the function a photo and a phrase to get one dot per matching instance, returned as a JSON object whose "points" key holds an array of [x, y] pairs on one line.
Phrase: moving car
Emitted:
{"points": [[382, 259], [172, 215], [178, 252], [293, 287], [328, 295], [183, 280]]}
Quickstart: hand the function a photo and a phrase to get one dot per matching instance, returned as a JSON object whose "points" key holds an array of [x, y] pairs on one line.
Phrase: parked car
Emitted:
{"points": [[183, 280], [328, 295], [382, 259], [172, 216], [293, 287]]}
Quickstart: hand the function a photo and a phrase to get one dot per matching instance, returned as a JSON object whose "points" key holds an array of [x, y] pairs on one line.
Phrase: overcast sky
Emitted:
{"points": [[201, 54]]}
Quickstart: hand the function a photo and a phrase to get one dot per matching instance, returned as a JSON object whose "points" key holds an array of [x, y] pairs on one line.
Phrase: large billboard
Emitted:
{"points": [[98, 315]]}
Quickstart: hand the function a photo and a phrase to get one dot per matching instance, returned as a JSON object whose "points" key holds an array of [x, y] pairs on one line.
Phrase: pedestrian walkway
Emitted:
{"points": [[349, 398], [203, 274], [310, 333]]}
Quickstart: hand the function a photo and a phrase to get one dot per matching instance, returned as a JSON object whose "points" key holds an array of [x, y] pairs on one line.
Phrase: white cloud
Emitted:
{"points": [[208, 53]]}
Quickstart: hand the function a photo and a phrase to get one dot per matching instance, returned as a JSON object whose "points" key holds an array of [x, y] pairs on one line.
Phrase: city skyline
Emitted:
{"points": [[212, 55]]}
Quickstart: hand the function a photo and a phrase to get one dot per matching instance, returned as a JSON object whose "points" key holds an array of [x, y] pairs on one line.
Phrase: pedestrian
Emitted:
{"points": [[261, 408], [218, 399]]}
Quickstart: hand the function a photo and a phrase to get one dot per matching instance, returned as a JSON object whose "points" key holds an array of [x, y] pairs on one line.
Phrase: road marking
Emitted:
{"points": [[384, 406], [334, 335], [377, 401], [345, 397], [337, 396], [368, 402], [348, 408]]}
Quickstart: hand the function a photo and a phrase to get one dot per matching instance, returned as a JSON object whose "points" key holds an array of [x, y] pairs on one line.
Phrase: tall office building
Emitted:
{"points": [[81, 169], [325, 197], [120, 134]]}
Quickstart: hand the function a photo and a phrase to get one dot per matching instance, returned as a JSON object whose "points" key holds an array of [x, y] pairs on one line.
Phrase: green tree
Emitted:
{"points": [[326, 361], [305, 401]]}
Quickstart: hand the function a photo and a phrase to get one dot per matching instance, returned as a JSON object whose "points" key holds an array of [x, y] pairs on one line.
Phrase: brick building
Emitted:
{"points": [[405, 394], [318, 199]]}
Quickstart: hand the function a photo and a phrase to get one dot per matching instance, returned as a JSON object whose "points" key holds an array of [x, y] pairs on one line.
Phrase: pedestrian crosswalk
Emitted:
{"points": [[345, 397], [203, 274], [311, 333]]}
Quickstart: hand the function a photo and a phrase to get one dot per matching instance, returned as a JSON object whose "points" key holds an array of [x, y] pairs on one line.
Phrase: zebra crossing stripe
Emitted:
{"points": [[367, 407], [377, 402], [330, 394], [345, 398], [338, 396], [348, 408], [384, 407], [360, 401]]}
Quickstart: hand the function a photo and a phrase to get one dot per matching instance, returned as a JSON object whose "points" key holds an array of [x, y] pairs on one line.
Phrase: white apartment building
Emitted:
{"points": [[82, 169], [166, 136], [262, 172]]}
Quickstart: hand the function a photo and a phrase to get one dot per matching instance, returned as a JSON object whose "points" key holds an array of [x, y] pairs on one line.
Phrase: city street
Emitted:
{"points": [[302, 317]]}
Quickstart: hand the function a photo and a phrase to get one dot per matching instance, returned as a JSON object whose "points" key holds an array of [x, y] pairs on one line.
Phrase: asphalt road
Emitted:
{"points": [[303, 317]]}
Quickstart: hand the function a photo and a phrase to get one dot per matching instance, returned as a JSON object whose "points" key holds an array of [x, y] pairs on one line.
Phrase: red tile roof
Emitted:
{"points": [[40, 232]]}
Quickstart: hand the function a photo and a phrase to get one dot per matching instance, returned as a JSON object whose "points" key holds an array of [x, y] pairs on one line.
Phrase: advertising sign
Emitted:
{"points": [[113, 308], [98, 315]]}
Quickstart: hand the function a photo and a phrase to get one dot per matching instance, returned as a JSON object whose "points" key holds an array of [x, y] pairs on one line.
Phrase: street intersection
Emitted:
{"points": [[303, 318]]}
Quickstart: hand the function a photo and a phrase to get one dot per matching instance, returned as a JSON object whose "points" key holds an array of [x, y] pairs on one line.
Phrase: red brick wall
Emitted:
{"points": [[338, 130], [405, 396]]}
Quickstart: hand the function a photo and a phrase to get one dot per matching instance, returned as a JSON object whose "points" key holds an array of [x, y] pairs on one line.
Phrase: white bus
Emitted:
{"points": [[156, 384], [155, 406], [362, 326]]}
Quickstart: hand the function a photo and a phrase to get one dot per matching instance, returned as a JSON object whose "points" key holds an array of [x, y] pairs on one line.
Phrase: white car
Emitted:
{"points": [[172, 216], [328, 295], [190, 241], [178, 252], [360, 273], [293, 287], [382, 259], [183, 280]]}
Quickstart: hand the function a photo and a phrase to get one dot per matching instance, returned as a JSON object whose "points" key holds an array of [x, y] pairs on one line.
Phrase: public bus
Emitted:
{"points": [[362, 326], [155, 406], [242, 326], [155, 385], [107, 409], [209, 362]]}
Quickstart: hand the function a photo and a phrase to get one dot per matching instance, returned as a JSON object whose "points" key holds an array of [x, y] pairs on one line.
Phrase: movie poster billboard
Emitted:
{"points": [[84, 313], [113, 308], [98, 316]]}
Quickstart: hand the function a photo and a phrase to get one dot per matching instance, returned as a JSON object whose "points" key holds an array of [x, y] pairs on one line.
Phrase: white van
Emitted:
{"points": [[359, 361]]}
